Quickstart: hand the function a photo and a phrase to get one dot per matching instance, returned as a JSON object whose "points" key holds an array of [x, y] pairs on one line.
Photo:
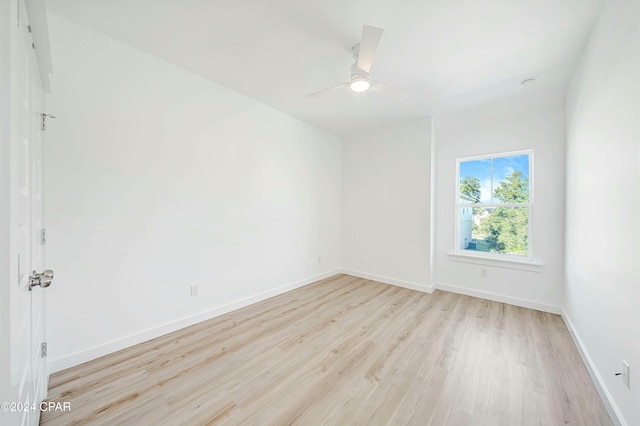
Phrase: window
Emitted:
{"points": [[494, 201]]}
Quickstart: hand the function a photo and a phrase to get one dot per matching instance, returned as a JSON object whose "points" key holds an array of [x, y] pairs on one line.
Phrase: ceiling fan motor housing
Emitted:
{"points": [[360, 80], [358, 73]]}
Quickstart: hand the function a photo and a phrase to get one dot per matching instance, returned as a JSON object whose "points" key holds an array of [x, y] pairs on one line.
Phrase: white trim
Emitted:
{"points": [[392, 281], [499, 155], [500, 298], [433, 230], [134, 339], [596, 378], [508, 263], [6, 257]]}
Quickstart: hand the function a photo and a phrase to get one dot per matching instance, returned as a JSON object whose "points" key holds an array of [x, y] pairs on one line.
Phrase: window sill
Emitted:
{"points": [[523, 265]]}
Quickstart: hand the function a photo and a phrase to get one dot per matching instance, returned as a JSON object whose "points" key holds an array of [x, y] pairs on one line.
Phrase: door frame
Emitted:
{"points": [[6, 28]]}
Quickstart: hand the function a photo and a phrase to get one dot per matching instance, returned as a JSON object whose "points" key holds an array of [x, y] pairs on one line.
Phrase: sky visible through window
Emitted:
{"points": [[492, 171]]}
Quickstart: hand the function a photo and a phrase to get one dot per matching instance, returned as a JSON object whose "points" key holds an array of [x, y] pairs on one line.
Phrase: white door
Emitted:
{"points": [[28, 366]]}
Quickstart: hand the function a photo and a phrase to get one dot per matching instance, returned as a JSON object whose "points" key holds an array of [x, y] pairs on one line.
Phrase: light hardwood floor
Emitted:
{"points": [[343, 351]]}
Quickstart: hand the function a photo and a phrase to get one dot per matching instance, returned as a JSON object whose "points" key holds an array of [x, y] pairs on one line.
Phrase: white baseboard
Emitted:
{"points": [[133, 339], [392, 281], [596, 378], [500, 298]]}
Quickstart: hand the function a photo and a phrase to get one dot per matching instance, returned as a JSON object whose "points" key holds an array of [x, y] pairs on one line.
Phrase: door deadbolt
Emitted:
{"points": [[43, 280]]}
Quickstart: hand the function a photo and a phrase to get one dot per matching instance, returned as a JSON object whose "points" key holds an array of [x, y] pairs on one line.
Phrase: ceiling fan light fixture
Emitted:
{"points": [[360, 84]]}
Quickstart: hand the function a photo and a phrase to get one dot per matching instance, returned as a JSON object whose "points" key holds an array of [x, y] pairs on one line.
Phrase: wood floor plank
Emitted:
{"points": [[343, 350]]}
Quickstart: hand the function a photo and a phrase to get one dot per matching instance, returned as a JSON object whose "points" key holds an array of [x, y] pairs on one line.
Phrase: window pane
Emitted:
{"points": [[475, 181], [494, 230], [510, 181]]}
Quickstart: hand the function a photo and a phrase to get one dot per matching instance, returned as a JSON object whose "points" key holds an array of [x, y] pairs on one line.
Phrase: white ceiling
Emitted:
{"points": [[448, 53]]}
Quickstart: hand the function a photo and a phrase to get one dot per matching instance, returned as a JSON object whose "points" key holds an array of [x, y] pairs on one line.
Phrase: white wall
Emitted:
{"points": [[527, 122], [5, 240], [602, 293], [385, 204], [158, 179]]}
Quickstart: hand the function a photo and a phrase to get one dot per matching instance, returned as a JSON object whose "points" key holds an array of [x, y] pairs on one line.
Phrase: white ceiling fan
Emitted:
{"points": [[363, 53]]}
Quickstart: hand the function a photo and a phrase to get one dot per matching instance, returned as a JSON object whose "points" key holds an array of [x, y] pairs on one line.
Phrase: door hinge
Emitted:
{"points": [[43, 236], [43, 349], [43, 123]]}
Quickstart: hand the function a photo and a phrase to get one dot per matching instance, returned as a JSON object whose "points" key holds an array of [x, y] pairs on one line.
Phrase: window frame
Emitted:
{"points": [[529, 258]]}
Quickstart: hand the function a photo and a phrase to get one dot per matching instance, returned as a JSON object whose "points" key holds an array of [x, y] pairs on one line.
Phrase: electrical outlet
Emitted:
{"points": [[319, 260], [194, 290], [626, 373], [484, 272]]}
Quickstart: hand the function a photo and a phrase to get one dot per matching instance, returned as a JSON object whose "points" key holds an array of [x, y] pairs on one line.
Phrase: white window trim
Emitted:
{"points": [[498, 262], [490, 258]]}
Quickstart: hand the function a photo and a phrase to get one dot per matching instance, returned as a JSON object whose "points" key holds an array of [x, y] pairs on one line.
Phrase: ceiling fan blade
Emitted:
{"points": [[323, 91], [389, 91], [368, 46]]}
